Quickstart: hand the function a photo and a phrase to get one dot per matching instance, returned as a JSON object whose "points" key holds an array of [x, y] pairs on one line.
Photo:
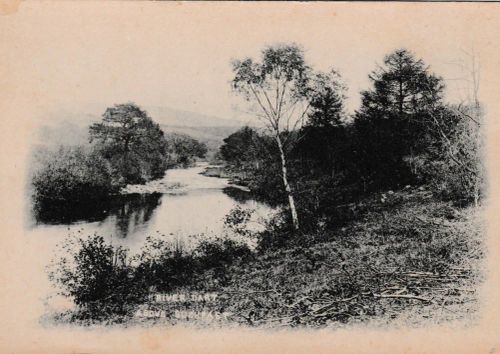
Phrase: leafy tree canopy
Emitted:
{"points": [[132, 141], [241, 146], [278, 84]]}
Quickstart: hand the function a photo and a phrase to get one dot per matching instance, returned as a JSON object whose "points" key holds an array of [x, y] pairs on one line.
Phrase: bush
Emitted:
{"points": [[106, 285], [165, 266], [72, 174], [97, 277], [217, 255], [456, 171]]}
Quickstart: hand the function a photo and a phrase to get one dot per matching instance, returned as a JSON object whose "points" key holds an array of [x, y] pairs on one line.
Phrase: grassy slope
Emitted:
{"points": [[407, 260]]}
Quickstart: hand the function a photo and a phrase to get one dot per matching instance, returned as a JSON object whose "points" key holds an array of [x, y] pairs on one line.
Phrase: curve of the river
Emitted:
{"points": [[181, 204]]}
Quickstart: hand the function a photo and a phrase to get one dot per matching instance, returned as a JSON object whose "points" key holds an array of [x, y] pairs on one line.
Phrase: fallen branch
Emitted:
{"points": [[278, 318], [422, 275], [335, 302], [431, 222], [402, 297], [299, 301]]}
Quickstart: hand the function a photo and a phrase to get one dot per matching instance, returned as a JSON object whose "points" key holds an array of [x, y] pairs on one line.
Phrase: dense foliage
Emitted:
{"points": [[242, 147], [402, 134], [127, 147], [71, 175], [107, 284], [182, 150], [394, 125], [132, 142]]}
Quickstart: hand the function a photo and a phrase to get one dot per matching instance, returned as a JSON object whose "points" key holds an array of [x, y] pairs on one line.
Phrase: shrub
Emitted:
{"points": [[166, 266], [71, 174], [218, 254], [456, 170], [163, 265], [97, 277]]}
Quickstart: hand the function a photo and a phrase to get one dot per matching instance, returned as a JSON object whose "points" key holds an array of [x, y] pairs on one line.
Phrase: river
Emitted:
{"points": [[182, 204]]}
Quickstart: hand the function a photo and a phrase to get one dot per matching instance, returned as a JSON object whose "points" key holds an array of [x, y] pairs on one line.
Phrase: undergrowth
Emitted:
{"points": [[407, 258]]}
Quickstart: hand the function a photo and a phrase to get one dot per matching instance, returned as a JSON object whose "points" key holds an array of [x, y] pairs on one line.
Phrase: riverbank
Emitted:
{"points": [[235, 179], [186, 179], [179, 181], [157, 186], [410, 260], [407, 260]]}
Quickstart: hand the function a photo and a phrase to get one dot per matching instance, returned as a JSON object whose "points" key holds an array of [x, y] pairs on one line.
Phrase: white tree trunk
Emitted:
{"points": [[288, 189]]}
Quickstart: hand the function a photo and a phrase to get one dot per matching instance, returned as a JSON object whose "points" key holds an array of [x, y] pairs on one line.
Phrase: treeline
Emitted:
{"points": [[183, 149], [126, 147], [322, 160]]}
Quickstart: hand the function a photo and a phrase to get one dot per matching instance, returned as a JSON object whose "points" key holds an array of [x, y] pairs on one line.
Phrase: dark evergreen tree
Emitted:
{"points": [[323, 137], [393, 122]]}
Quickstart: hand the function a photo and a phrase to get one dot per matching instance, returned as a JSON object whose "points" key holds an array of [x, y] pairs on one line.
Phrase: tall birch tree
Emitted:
{"points": [[276, 87]]}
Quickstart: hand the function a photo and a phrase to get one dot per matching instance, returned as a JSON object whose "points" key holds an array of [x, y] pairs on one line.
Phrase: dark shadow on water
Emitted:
{"points": [[242, 196], [137, 210], [237, 194], [136, 207]]}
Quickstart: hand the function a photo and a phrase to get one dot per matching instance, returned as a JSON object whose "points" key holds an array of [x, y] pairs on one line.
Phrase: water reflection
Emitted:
{"points": [[237, 194], [136, 210], [197, 208], [242, 196], [138, 207]]}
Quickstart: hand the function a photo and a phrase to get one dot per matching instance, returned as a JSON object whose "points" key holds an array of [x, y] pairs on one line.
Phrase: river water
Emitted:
{"points": [[182, 204]]}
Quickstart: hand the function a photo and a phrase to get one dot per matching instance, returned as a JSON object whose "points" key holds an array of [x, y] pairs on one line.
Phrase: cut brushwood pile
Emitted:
{"points": [[399, 291]]}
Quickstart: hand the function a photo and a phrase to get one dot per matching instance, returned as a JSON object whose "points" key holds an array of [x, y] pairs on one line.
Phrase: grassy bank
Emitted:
{"points": [[409, 257], [406, 259]]}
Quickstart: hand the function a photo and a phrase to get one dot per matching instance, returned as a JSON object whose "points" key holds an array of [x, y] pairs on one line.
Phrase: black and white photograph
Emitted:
{"points": [[260, 167]]}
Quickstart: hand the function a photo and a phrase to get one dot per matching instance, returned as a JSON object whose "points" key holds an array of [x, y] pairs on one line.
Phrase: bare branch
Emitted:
{"points": [[441, 131], [270, 117]]}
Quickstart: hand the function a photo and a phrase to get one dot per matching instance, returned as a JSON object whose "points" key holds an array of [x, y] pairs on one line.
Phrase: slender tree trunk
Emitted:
{"points": [[288, 189]]}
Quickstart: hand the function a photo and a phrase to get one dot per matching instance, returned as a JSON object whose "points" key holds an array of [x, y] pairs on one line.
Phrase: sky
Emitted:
{"points": [[87, 56]]}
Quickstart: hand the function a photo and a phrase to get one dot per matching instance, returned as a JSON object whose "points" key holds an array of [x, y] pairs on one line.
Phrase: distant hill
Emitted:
{"points": [[162, 115], [179, 118], [71, 128], [207, 129]]}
